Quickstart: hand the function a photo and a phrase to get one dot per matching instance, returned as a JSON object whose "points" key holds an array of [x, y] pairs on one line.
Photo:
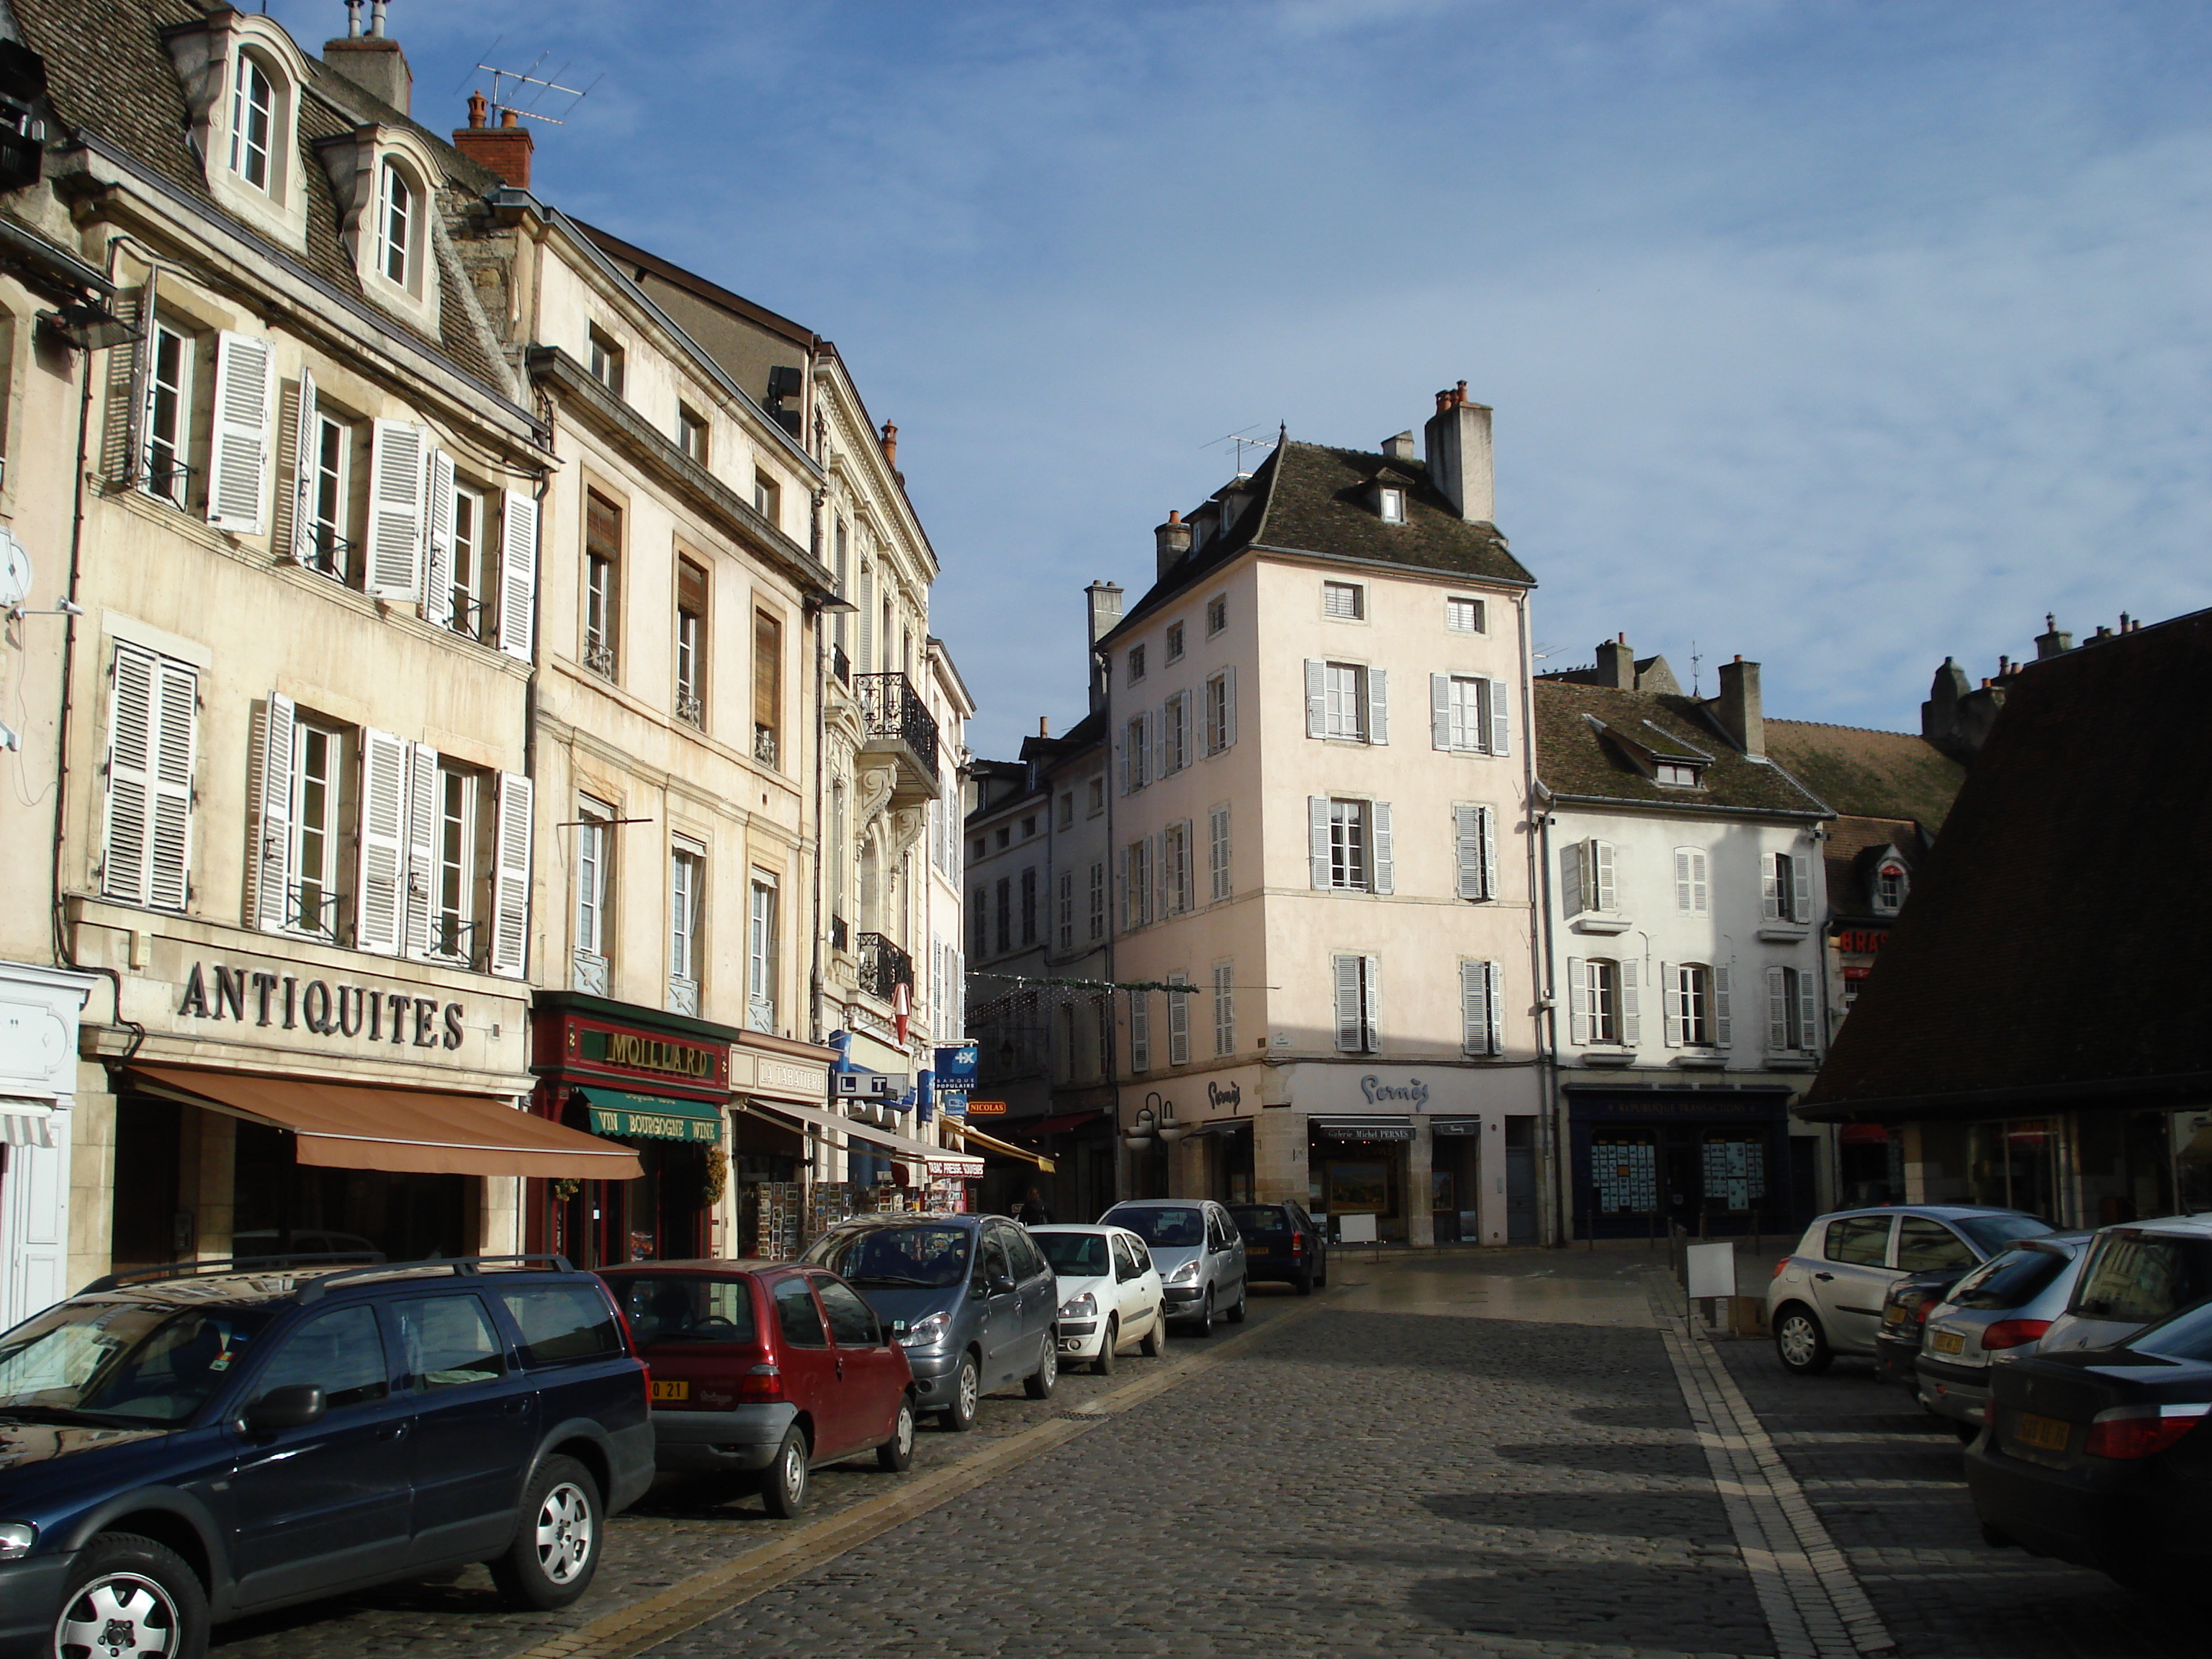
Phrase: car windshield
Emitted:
{"points": [[1075, 1255], [1259, 1217], [685, 1307], [932, 1258], [2141, 1276], [2010, 1279], [1162, 1225], [136, 1361], [1993, 1232]]}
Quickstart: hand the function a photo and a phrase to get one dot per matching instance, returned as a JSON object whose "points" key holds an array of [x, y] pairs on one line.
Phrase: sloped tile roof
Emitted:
{"points": [[1573, 757], [1874, 775]]}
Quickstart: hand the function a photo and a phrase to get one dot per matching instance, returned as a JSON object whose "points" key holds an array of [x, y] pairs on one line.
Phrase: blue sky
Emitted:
{"points": [[1843, 336]]}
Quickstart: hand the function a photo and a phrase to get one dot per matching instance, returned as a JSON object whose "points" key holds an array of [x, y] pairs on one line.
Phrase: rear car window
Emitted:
{"points": [[2010, 1279], [449, 1341], [1993, 1232], [1074, 1255], [686, 1308], [1925, 1246], [1861, 1241], [1165, 1225], [2141, 1276], [1258, 1218], [2186, 1335], [932, 1258], [562, 1323]]}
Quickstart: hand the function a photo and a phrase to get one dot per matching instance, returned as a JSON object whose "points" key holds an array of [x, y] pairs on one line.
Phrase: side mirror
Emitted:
{"points": [[293, 1407], [1002, 1285]]}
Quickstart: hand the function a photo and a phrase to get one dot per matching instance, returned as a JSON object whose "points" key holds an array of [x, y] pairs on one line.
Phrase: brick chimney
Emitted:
{"points": [[1737, 707], [1458, 440], [1102, 603], [1170, 542], [1616, 663], [373, 61], [2052, 641], [505, 149]]}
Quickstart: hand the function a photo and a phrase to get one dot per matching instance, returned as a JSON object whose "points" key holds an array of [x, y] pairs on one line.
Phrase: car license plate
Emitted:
{"points": [[1948, 1342], [2045, 1433], [671, 1391]]}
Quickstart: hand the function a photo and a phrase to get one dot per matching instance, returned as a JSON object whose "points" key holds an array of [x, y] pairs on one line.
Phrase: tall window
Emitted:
{"points": [[842, 569], [1175, 642], [1136, 884], [1067, 809], [1176, 880], [1691, 892], [1220, 711], [594, 894], [1586, 878], [602, 530], [1030, 905], [1141, 1030], [472, 567], [1218, 841], [1097, 900], [331, 505], [1349, 844], [153, 728], [765, 495], [1786, 894], [317, 831], [686, 875], [1136, 664], [606, 361], [768, 688], [1066, 911], [691, 644], [1179, 1021], [1217, 615], [252, 123], [1005, 912], [1346, 690], [1136, 754], [1225, 1008], [169, 415], [691, 433], [397, 253], [1601, 993], [1792, 1010], [979, 921], [453, 928], [1391, 504], [1889, 889], [1175, 736], [1358, 1024], [761, 955]]}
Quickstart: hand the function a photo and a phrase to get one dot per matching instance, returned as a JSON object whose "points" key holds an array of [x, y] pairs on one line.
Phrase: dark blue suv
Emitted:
{"points": [[186, 1445]]}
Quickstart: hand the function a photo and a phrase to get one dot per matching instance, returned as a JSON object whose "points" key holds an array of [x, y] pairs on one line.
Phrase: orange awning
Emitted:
{"points": [[408, 1131]]}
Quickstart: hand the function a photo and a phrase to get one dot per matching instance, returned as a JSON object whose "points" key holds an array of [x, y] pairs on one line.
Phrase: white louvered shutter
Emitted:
{"points": [[1467, 851], [131, 378], [1682, 881], [1155, 861], [1440, 720], [377, 911], [1632, 1012], [1800, 880], [1670, 988], [1577, 1002], [510, 876], [176, 732], [1224, 884], [1723, 1026], [1186, 869], [1777, 1010], [238, 449], [1495, 1002], [1317, 837], [1386, 862], [1347, 970], [398, 468], [422, 885], [1141, 1030], [1809, 1013], [1378, 706], [131, 742], [1571, 879], [306, 430], [1604, 899], [1121, 886], [1489, 851], [1317, 698], [438, 573], [1501, 720], [1371, 1003], [268, 789], [1474, 1007], [518, 573], [867, 617], [1228, 705], [1769, 891]]}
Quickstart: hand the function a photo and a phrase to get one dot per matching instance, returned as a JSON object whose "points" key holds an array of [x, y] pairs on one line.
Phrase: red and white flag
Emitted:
{"points": [[901, 1009]]}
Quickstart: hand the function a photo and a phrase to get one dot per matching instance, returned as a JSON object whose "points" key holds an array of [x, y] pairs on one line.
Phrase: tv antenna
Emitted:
{"points": [[509, 87], [1242, 443], [1695, 658]]}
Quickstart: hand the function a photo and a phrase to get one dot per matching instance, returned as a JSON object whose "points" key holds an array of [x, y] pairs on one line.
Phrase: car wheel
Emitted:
{"points": [[1201, 1322], [556, 1548], [1235, 1315], [896, 1454], [131, 1598], [1104, 1363], [784, 1483], [1967, 1432], [1155, 1345], [967, 1389], [1040, 1383], [1799, 1343]]}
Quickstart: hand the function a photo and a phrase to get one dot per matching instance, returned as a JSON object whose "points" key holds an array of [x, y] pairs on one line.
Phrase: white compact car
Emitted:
{"points": [[1110, 1293]]}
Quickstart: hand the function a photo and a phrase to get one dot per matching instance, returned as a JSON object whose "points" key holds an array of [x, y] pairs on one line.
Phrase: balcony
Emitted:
{"points": [[884, 967], [899, 727]]}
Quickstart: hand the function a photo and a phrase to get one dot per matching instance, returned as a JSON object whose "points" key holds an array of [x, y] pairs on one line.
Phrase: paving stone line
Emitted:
{"points": [[692, 1602], [1814, 1607]]}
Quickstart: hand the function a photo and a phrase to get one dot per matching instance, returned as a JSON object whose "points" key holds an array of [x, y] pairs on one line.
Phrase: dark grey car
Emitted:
{"points": [[970, 1299], [1199, 1252]]}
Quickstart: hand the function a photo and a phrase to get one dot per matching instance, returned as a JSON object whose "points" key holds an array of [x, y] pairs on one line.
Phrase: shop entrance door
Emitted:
{"points": [[1454, 1188], [1520, 1181]]}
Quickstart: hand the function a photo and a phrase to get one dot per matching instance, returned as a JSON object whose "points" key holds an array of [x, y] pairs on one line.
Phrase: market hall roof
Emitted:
{"points": [[1580, 756], [1869, 774]]}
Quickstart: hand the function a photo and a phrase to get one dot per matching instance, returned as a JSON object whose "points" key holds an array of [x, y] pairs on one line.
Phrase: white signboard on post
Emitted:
{"points": [[1712, 1270]]}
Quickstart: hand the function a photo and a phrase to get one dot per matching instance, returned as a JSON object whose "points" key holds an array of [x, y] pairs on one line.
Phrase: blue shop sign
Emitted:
{"points": [[956, 1067]]}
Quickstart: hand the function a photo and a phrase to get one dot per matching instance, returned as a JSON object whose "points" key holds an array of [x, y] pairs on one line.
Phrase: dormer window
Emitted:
{"points": [[240, 75], [1889, 887], [397, 225], [384, 176], [252, 122], [1390, 505], [1676, 773]]}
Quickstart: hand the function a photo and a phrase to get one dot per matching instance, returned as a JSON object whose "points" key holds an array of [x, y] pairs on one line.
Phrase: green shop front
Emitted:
{"points": [[655, 1082]]}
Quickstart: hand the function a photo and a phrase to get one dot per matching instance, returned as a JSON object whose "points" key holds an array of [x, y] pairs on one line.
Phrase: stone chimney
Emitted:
{"points": [[1400, 448], [1737, 707], [1616, 663], [1171, 540], [1102, 613], [373, 61], [2052, 642], [1458, 438], [505, 149]]}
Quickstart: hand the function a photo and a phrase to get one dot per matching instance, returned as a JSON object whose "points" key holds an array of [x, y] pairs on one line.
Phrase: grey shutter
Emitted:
{"points": [[1378, 706], [1777, 1010], [1186, 870], [1317, 837], [1386, 862], [518, 573], [510, 876], [1631, 1013], [1607, 901], [1371, 1003], [1770, 890], [245, 415], [1141, 1030], [1697, 882], [1800, 882], [420, 891], [1317, 698], [269, 790], [1670, 988], [1474, 1007], [377, 911], [176, 730], [1440, 731], [1495, 973], [1501, 721], [129, 374], [867, 616], [1121, 886], [1809, 1013], [1228, 705], [1724, 1034], [1156, 863], [1578, 1002], [306, 454], [398, 460], [1467, 851], [1218, 826], [1571, 878], [1121, 758], [1157, 719], [1346, 969], [438, 573]]}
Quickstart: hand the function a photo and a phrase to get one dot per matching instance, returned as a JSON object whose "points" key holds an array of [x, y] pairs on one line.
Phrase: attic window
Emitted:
{"points": [[1678, 774], [1463, 615], [607, 362], [252, 122], [1889, 887], [1391, 505], [1346, 601], [1175, 642]]}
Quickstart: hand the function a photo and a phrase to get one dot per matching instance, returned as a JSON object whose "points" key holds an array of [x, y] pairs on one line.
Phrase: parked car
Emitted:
{"points": [[2135, 1274], [767, 1369], [2100, 1457], [1199, 1252], [1282, 1244], [1109, 1294], [184, 1445], [1826, 1299], [970, 1299], [1997, 1314], [1904, 1305]]}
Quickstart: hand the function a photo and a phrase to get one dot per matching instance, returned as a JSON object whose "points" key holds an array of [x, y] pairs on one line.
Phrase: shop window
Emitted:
{"points": [[594, 884], [763, 951]]}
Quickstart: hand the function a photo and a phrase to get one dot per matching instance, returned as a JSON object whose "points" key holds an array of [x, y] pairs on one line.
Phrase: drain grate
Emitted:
{"points": [[1083, 1417]]}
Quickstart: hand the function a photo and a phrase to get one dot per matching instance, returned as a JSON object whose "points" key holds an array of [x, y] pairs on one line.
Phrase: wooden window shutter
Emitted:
{"points": [[1501, 720], [1495, 1003], [1317, 837], [1474, 1008], [1440, 714], [1723, 1031], [1571, 878], [238, 449], [1683, 880], [1385, 873], [1158, 719], [1631, 1016], [1317, 698], [1777, 1010], [1223, 886], [421, 897], [1489, 817], [1577, 1000], [518, 574], [1155, 861], [268, 796], [1185, 872], [1670, 986], [1800, 881], [397, 470], [377, 913], [1121, 886], [127, 856], [767, 672], [130, 372], [1698, 894], [1466, 850], [510, 876], [1370, 1004], [1602, 863], [438, 572], [1348, 1025], [1809, 1012], [1141, 1030], [305, 442], [1228, 705], [1378, 705], [1121, 758], [1769, 891]]}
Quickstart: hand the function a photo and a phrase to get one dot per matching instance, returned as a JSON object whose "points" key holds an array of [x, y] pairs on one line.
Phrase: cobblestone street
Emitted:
{"points": [[1454, 1455]]}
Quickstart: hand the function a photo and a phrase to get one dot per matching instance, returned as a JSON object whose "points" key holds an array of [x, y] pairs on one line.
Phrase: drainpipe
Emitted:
{"points": [[820, 733], [1541, 947]]}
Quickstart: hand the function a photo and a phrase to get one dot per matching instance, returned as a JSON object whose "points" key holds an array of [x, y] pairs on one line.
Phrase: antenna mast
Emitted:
{"points": [[509, 85]]}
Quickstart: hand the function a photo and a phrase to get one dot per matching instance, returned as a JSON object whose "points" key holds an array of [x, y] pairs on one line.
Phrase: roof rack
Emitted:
{"points": [[229, 1265], [458, 1265]]}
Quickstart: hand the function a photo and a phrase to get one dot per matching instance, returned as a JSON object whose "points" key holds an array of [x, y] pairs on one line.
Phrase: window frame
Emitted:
{"points": [[692, 434], [763, 955], [1601, 1002], [176, 442], [329, 880], [247, 73], [459, 887], [767, 687], [1217, 615], [1390, 504], [1479, 618], [687, 916], [1350, 845], [1344, 601], [1136, 664], [604, 358], [603, 563], [399, 203], [1343, 686], [1174, 641], [593, 897]]}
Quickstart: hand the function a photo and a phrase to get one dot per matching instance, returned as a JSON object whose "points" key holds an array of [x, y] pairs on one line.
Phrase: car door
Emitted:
{"points": [[804, 1356], [1848, 1283], [1129, 1309], [1039, 1299], [475, 1431], [1926, 1245], [1303, 1224], [325, 1506], [1000, 1321], [870, 1377]]}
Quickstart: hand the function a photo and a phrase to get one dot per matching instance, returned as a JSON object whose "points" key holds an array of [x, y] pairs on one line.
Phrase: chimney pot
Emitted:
{"points": [[890, 444], [1457, 437], [1044, 727], [505, 149], [477, 105]]}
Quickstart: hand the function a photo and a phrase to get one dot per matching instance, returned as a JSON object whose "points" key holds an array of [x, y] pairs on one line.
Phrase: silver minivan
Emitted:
{"points": [[1826, 1297], [1199, 1252], [2135, 1274]]}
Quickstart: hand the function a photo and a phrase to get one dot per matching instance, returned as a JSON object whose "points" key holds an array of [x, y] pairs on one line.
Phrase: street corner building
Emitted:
{"points": [[2028, 1036]]}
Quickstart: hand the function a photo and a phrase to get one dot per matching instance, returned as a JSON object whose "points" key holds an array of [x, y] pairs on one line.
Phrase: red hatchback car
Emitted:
{"points": [[765, 1368]]}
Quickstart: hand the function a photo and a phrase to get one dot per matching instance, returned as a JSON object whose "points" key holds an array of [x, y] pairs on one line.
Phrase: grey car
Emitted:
{"points": [[970, 1299], [2134, 1274], [1199, 1252], [1997, 1314], [1825, 1296]]}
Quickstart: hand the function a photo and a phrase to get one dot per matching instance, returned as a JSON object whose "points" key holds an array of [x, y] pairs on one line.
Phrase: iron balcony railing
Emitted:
{"points": [[883, 966], [889, 709]]}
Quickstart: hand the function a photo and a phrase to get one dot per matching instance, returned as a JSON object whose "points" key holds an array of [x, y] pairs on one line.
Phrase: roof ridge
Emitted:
{"points": [[1839, 726]]}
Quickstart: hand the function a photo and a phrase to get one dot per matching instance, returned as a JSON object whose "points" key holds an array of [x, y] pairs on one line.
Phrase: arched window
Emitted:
{"points": [[252, 122], [399, 225]]}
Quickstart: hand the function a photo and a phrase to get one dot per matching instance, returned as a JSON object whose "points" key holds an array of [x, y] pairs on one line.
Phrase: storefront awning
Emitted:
{"points": [[652, 1117], [1221, 1126], [974, 1138], [25, 1122], [1362, 1128], [406, 1131], [944, 1161]]}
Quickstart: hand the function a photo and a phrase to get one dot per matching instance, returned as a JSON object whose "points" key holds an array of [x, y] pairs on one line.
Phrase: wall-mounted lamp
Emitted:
{"points": [[62, 608]]}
